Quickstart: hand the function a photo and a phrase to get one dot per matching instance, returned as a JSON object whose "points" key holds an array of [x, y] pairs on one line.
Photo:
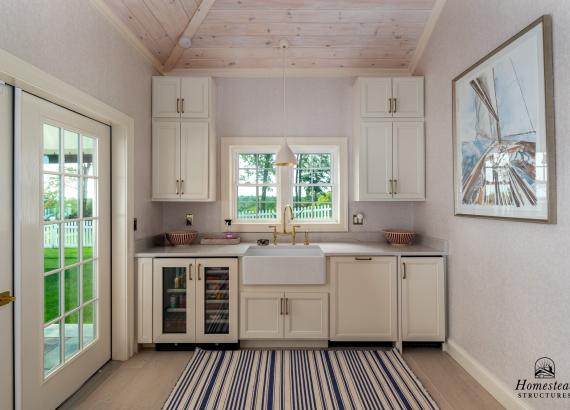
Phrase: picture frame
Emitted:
{"points": [[504, 158]]}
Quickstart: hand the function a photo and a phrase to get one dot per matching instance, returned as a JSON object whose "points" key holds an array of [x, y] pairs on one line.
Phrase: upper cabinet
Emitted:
{"points": [[186, 97], [388, 139], [385, 97], [183, 139]]}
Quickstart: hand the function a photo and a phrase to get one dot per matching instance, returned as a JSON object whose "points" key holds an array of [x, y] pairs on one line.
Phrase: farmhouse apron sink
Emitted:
{"points": [[283, 265]]}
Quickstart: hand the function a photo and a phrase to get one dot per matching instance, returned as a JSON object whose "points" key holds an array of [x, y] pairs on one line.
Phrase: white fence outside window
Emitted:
{"points": [[70, 235]]}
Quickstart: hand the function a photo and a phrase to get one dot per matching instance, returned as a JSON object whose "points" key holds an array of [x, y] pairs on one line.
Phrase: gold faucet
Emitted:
{"points": [[293, 232]]}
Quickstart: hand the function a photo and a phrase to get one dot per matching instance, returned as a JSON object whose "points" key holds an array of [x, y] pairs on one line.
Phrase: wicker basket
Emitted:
{"points": [[180, 238], [399, 236]]}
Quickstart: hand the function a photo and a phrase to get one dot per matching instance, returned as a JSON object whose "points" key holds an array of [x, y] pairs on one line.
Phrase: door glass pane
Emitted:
{"points": [[89, 153], [51, 297], [88, 281], [88, 197], [51, 148], [51, 197], [71, 281], [89, 239], [174, 300], [217, 285], [51, 247], [71, 334], [71, 198], [89, 328], [71, 153], [71, 242], [52, 347]]}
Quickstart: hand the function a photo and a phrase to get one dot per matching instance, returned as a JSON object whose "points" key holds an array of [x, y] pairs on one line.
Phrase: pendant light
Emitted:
{"points": [[285, 156]]}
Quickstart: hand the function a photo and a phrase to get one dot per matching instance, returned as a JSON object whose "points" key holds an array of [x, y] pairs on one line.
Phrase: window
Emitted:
{"points": [[255, 191], [70, 237]]}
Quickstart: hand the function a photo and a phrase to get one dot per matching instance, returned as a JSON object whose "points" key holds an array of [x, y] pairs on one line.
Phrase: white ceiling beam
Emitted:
{"points": [[191, 29], [428, 30]]}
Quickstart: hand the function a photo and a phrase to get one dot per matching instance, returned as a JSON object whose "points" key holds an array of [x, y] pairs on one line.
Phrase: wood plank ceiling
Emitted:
{"points": [[325, 34]]}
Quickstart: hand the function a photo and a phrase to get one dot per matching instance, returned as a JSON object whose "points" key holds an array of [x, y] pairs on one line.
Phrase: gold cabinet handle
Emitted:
{"points": [[178, 105], [391, 186], [182, 187], [190, 272], [404, 270], [281, 306], [389, 105], [362, 259], [177, 187], [6, 298], [182, 106], [395, 186], [199, 269], [286, 306], [394, 111]]}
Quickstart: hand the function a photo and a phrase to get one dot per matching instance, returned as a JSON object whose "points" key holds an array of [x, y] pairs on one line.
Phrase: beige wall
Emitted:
{"points": [[72, 41], [509, 282], [316, 107]]}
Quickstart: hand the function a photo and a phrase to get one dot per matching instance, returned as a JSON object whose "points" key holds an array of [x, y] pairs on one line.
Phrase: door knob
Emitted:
{"points": [[6, 298]]}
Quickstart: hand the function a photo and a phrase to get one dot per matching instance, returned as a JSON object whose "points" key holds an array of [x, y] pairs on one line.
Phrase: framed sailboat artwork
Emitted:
{"points": [[503, 131]]}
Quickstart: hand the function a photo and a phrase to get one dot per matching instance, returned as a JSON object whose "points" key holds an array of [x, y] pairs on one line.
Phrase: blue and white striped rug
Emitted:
{"points": [[298, 379]]}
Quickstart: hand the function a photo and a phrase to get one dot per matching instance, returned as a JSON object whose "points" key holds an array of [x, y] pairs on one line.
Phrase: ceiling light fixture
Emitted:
{"points": [[184, 41], [285, 157]]}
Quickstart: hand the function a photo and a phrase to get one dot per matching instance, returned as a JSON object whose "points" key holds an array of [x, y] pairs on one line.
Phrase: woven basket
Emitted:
{"points": [[399, 236], [179, 238]]}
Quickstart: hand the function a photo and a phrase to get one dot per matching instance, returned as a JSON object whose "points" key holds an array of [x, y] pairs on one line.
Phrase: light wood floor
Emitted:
{"points": [[145, 381]]}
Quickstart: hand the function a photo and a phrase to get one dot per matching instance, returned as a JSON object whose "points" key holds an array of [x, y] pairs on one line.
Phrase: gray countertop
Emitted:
{"points": [[329, 249]]}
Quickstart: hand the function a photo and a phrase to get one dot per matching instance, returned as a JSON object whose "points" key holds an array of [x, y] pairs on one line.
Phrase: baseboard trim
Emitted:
{"points": [[499, 390]]}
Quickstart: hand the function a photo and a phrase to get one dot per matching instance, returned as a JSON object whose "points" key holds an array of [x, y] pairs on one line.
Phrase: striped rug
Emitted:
{"points": [[298, 379]]}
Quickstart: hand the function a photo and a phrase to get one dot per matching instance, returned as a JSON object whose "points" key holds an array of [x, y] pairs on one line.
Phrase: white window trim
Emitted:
{"points": [[336, 146]]}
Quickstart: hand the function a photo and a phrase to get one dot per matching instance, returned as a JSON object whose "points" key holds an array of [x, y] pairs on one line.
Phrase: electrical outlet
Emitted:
{"points": [[189, 219]]}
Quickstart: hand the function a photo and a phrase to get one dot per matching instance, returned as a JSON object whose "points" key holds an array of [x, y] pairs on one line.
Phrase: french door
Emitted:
{"points": [[64, 167], [6, 252]]}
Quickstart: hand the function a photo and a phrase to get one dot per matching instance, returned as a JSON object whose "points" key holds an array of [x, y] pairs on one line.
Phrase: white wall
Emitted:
{"points": [[509, 282], [72, 41], [316, 107]]}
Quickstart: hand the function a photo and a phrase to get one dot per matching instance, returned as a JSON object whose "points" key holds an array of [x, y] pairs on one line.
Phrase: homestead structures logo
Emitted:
{"points": [[544, 369]]}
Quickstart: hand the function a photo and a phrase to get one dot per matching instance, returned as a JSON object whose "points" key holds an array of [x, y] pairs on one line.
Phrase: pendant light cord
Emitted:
{"points": [[283, 49]]}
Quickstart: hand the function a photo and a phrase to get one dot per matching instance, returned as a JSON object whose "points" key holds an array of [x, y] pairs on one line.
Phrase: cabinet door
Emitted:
{"points": [[174, 305], [408, 94], [216, 301], [375, 161], [423, 299], [409, 160], [144, 300], [364, 295], [306, 316], [165, 159], [194, 139], [195, 94], [261, 315], [375, 94], [165, 97]]}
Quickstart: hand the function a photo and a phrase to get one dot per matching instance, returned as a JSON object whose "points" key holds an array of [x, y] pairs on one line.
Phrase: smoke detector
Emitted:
{"points": [[185, 41]]}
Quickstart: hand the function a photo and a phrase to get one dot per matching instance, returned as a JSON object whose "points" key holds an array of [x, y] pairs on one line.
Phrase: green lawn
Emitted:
{"points": [[52, 282]]}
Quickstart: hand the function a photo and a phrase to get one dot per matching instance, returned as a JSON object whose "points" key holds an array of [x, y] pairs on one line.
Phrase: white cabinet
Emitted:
{"points": [[261, 315], [388, 139], [183, 140], [363, 299], [423, 299], [194, 300], [306, 315], [390, 161], [186, 97], [284, 315], [386, 97]]}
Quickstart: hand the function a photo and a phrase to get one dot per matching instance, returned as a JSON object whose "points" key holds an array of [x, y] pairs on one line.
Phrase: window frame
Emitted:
{"points": [[337, 147]]}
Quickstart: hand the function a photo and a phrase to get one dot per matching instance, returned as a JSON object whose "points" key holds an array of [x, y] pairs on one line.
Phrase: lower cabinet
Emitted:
{"points": [[423, 299], [364, 298], [284, 315], [194, 300]]}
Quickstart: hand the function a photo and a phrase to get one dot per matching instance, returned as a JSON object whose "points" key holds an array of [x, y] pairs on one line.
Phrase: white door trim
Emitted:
{"points": [[23, 75]]}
